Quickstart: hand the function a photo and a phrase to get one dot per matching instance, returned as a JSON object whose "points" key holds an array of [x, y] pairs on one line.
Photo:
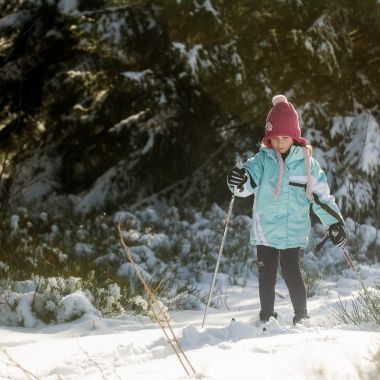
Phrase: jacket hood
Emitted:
{"points": [[296, 153]]}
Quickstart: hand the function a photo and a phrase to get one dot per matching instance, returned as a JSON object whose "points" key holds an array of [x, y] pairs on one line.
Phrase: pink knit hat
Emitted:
{"points": [[282, 120]]}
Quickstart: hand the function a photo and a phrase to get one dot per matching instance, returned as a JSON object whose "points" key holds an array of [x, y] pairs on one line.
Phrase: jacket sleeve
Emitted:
{"points": [[323, 203], [253, 171]]}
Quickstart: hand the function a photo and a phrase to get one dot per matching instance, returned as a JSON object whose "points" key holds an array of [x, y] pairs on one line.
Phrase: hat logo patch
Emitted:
{"points": [[268, 127]]}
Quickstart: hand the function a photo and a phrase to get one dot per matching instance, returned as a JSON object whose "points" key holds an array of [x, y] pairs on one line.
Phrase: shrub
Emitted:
{"points": [[315, 284], [364, 308], [56, 299]]}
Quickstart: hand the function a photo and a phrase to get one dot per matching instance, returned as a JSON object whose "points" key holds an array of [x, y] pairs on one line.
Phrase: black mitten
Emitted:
{"points": [[337, 234], [237, 177]]}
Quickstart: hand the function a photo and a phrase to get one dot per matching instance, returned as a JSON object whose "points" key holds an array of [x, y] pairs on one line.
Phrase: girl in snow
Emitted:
{"points": [[287, 183]]}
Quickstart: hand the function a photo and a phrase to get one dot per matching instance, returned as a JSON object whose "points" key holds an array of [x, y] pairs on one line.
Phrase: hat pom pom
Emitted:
{"points": [[279, 99]]}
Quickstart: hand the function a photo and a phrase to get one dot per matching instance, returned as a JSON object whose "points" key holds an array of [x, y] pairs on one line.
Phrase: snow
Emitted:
{"points": [[126, 218], [45, 182], [68, 7], [24, 312], [73, 306], [201, 60], [106, 187], [4, 267], [133, 347], [15, 219], [192, 55], [142, 78], [353, 194], [128, 270], [127, 122], [14, 20], [156, 241], [150, 142], [309, 45], [359, 157], [83, 249], [207, 5], [136, 75], [364, 148], [44, 217]]}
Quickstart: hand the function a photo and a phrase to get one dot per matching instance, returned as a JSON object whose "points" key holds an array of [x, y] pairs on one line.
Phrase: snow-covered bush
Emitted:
{"points": [[188, 297], [139, 305], [56, 299], [106, 297], [185, 301], [73, 306], [174, 248]]}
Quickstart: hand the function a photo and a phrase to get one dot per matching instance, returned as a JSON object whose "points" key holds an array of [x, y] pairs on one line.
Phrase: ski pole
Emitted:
{"points": [[353, 267], [239, 164], [322, 243], [219, 255], [347, 257]]}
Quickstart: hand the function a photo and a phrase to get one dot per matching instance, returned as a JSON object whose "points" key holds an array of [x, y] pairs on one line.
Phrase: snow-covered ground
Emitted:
{"points": [[133, 347]]}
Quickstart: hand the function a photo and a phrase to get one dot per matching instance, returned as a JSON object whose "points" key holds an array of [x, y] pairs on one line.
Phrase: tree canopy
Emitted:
{"points": [[115, 101]]}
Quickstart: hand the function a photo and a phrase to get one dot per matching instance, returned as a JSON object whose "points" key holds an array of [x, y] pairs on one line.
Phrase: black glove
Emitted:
{"points": [[237, 177], [337, 234]]}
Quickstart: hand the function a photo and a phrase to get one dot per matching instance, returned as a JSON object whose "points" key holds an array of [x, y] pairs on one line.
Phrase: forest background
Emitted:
{"points": [[137, 109]]}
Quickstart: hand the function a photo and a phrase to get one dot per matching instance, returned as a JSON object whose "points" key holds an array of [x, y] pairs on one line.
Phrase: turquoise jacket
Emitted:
{"points": [[284, 222]]}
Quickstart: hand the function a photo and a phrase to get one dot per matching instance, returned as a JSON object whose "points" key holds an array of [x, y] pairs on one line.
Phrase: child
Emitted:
{"points": [[287, 183]]}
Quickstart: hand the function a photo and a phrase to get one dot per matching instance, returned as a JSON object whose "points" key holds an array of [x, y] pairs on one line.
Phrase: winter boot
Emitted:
{"points": [[264, 317], [300, 316]]}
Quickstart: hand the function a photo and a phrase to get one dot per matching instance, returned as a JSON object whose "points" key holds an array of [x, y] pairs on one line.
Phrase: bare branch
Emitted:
{"points": [[13, 362], [159, 315]]}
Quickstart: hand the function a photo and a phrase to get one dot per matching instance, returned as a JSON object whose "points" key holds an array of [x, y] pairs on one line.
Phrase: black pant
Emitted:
{"points": [[267, 261]]}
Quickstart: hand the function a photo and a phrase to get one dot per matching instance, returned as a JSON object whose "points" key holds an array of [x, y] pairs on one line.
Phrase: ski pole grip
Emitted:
{"points": [[238, 164]]}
